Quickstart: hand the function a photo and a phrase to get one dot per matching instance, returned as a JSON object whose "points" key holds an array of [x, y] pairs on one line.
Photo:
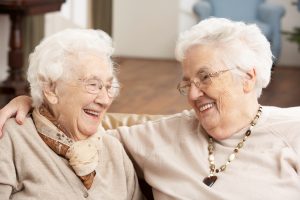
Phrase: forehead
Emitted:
{"points": [[201, 58], [92, 66]]}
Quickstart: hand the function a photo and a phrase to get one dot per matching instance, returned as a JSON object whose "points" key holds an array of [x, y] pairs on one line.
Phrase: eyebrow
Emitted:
{"points": [[110, 79], [200, 71]]}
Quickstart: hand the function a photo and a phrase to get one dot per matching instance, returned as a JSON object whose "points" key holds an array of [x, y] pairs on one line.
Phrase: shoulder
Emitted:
{"points": [[186, 117], [12, 124], [166, 129], [183, 122], [111, 142], [112, 149], [282, 122], [175, 122], [12, 129], [283, 113], [110, 139], [277, 115]]}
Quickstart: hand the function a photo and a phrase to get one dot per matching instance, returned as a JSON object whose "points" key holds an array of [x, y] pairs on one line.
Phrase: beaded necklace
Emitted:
{"points": [[212, 178]]}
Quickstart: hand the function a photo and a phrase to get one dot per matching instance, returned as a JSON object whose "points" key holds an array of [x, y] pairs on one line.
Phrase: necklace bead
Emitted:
{"points": [[231, 157], [211, 178], [240, 145], [211, 158]]}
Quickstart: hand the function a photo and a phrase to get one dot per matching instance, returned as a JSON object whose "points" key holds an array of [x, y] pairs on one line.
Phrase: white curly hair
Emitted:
{"points": [[241, 46], [56, 56]]}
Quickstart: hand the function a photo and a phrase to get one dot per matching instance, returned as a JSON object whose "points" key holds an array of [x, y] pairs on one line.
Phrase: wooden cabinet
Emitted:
{"points": [[17, 10]]}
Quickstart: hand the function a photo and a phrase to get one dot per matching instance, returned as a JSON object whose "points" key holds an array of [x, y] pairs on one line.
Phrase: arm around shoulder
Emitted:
{"points": [[19, 107]]}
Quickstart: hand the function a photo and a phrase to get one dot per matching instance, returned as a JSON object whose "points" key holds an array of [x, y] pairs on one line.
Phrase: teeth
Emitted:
{"points": [[206, 106], [92, 112]]}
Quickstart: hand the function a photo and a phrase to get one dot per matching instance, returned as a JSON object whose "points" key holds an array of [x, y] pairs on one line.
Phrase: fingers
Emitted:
{"points": [[21, 114], [20, 117], [23, 107], [18, 106]]}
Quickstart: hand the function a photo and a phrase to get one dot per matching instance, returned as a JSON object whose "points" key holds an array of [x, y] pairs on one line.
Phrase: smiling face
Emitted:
{"points": [[219, 104], [77, 110]]}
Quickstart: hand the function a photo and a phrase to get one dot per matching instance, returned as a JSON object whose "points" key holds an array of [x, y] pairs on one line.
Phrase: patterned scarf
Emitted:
{"points": [[83, 155]]}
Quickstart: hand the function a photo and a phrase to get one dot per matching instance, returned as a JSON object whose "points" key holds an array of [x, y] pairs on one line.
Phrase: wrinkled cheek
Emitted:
{"points": [[220, 104], [223, 101]]}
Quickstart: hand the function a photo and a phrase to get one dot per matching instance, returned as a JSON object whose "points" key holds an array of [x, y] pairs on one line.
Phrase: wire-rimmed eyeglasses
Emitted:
{"points": [[203, 78], [95, 86]]}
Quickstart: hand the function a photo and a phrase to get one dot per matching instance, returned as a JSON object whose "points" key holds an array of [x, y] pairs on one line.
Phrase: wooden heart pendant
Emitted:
{"points": [[210, 180]]}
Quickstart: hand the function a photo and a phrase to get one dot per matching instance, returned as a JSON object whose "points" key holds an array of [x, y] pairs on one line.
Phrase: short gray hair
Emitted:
{"points": [[47, 63], [241, 46]]}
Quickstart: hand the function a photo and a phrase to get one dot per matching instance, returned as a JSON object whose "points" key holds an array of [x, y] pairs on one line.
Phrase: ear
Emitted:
{"points": [[50, 93], [249, 81]]}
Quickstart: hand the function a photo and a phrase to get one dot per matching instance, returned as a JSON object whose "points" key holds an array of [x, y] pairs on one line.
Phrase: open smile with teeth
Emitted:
{"points": [[206, 107], [92, 113]]}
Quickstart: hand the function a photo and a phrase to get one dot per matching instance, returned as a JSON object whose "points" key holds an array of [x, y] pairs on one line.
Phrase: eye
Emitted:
{"points": [[204, 77], [185, 84], [184, 87], [92, 83]]}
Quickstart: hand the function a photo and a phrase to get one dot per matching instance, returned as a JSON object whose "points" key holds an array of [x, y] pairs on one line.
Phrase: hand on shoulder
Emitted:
{"points": [[18, 107]]}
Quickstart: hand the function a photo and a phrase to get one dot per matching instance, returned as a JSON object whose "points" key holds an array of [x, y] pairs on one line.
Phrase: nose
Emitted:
{"points": [[195, 92], [103, 99]]}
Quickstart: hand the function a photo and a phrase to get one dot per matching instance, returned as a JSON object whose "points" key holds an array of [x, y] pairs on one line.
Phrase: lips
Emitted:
{"points": [[204, 107], [92, 113]]}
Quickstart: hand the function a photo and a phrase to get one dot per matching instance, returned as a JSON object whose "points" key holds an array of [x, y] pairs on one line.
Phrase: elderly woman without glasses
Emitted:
{"points": [[229, 146], [60, 152]]}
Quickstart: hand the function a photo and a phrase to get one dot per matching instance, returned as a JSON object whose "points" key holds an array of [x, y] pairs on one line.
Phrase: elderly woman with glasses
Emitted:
{"points": [[228, 146], [60, 152]]}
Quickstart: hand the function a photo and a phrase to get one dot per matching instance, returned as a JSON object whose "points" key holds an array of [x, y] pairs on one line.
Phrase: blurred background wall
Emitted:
{"points": [[145, 28], [153, 27]]}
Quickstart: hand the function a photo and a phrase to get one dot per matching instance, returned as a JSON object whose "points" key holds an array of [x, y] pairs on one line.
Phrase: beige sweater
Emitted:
{"points": [[29, 169], [173, 155]]}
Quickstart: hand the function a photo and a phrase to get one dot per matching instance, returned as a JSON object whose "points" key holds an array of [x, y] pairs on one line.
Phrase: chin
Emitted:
{"points": [[208, 123], [91, 131], [87, 132]]}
